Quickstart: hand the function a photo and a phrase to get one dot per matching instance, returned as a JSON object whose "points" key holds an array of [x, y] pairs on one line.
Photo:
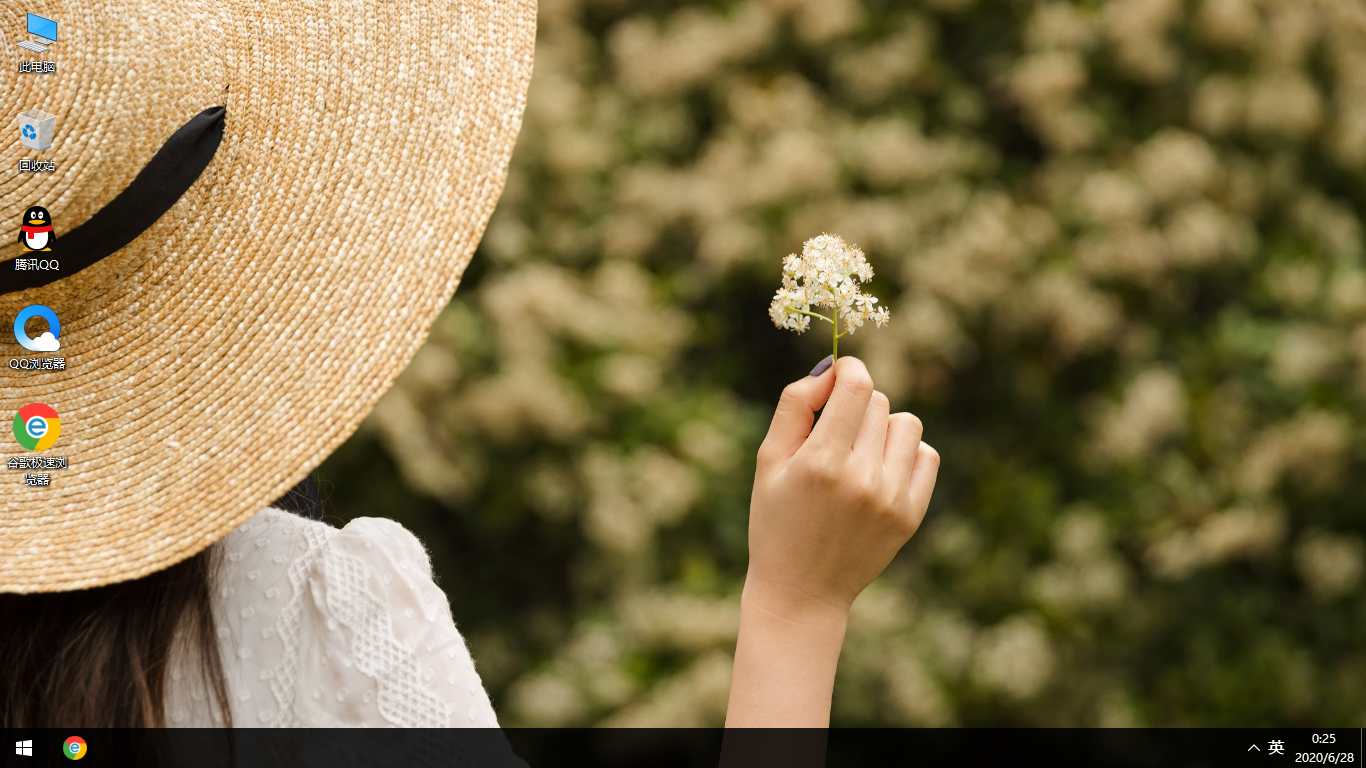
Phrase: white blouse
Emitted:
{"points": [[319, 626]]}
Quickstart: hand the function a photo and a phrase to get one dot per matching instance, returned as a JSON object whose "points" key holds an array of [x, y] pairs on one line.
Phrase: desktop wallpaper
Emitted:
{"points": [[1122, 246]]}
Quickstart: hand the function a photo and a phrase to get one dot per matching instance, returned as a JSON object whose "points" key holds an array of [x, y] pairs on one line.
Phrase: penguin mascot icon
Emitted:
{"points": [[36, 233]]}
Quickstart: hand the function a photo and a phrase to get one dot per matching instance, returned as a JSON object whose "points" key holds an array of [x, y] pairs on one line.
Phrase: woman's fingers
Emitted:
{"points": [[794, 416], [842, 418], [872, 436], [903, 442], [923, 475]]}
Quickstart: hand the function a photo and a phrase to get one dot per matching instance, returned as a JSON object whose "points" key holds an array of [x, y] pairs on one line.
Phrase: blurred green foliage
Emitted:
{"points": [[1122, 244]]}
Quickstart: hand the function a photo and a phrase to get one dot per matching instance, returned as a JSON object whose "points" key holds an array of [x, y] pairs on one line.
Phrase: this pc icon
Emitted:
{"points": [[43, 30]]}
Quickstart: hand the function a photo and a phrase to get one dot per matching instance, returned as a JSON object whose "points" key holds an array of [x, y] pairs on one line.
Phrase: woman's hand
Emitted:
{"points": [[831, 507]]}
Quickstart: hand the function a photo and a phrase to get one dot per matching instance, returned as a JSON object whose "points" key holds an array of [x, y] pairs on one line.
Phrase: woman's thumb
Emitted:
{"points": [[796, 413]]}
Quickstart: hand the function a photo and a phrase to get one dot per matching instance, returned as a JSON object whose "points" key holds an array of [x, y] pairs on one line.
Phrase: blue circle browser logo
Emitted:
{"points": [[47, 340]]}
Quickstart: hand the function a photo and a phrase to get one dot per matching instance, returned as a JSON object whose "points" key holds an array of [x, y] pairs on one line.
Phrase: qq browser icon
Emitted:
{"points": [[47, 341]]}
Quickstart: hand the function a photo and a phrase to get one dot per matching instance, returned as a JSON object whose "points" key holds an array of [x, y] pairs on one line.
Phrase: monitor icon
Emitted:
{"points": [[44, 32]]}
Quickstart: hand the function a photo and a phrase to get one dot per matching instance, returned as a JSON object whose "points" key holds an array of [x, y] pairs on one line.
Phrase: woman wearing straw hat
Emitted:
{"points": [[231, 307]]}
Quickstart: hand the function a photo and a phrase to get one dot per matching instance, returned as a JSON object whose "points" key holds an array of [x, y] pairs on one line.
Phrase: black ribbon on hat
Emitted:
{"points": [[171, 171]]}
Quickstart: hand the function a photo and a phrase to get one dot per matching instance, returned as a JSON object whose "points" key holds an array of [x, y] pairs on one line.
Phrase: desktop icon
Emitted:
{"points": [[24, 747], [74, 748], [35, 233], [45, 32], [47, 341], [37, 427], [35, 129]]}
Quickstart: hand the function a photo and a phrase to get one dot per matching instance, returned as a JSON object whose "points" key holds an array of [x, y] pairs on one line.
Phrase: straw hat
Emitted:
{"points": [[251, 278]]}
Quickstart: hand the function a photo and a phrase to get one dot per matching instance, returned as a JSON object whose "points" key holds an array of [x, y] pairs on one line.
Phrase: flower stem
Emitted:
{"points": [[812, 314], [836, 333]]}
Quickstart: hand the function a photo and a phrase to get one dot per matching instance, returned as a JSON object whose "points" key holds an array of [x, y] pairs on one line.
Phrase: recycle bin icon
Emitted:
{"points": [[35, 129]]}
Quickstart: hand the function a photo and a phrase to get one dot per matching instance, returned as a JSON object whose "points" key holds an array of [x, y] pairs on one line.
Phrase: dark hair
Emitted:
{"points": [[98, 658]]}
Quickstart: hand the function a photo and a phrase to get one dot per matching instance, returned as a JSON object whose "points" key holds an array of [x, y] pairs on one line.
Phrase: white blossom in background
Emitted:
{"points": [[827, 275], [567, 373]]}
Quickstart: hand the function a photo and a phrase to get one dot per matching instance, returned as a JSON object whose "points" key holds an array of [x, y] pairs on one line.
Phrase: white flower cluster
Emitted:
{"points": [[828, 274]]}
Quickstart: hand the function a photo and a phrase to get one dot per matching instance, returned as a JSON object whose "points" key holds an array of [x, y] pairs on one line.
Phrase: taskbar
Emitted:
{"points": [[665, 747]]}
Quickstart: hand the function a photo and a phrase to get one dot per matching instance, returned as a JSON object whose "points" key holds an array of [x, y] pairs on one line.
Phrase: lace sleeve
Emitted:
{"points": [[376, 640]]}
